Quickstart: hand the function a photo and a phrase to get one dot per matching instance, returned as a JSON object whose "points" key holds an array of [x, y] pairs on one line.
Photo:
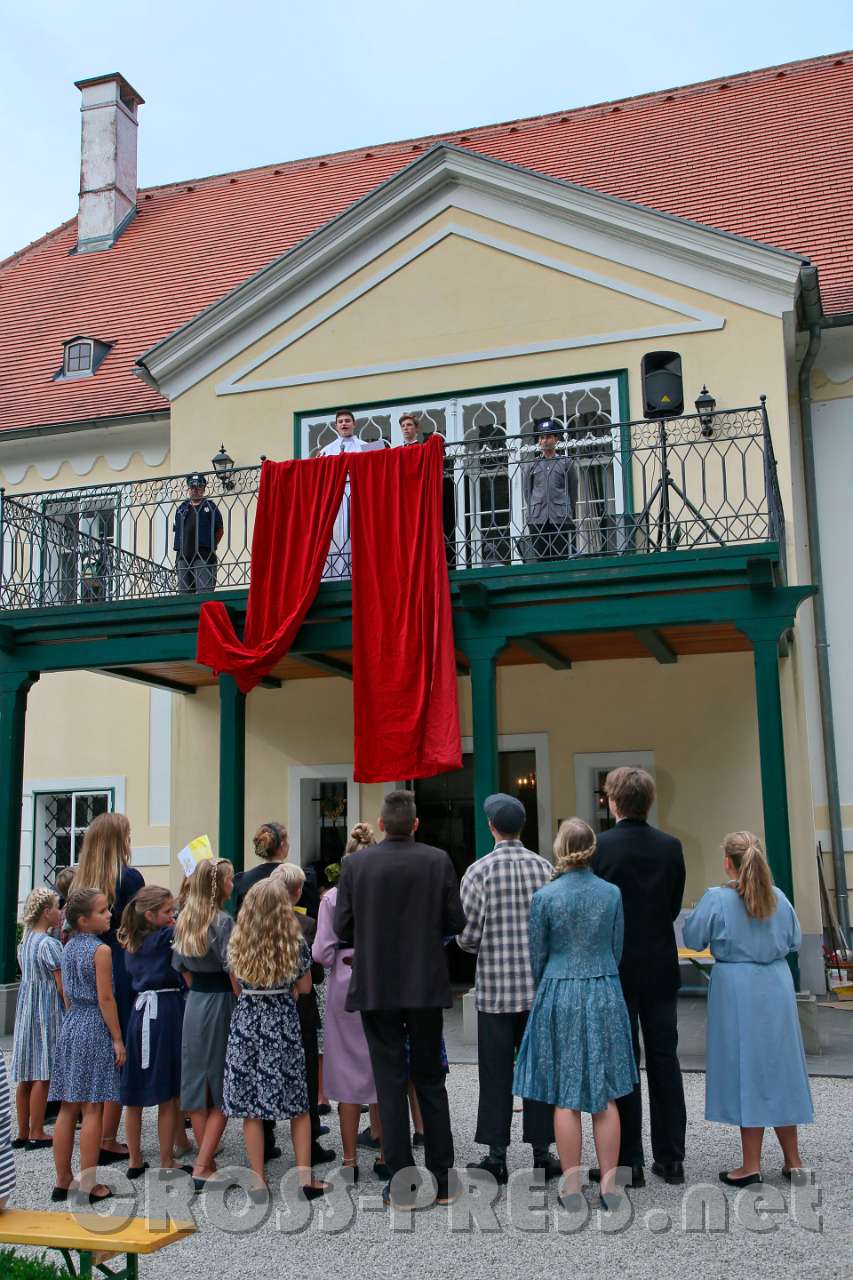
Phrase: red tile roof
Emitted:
{"points": [[767, 154]]}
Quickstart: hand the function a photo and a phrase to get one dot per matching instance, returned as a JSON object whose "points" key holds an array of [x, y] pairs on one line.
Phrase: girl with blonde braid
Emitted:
{"points": [[756, 1067], [201, 955], [576, 1052], [38, 1016]]}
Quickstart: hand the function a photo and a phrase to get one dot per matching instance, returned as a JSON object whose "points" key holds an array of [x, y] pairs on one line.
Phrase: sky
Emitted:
{"points": [[250, 82]]}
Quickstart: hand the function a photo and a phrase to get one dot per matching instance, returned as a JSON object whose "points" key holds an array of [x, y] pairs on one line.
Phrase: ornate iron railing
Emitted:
{"points": [[692, 481]]}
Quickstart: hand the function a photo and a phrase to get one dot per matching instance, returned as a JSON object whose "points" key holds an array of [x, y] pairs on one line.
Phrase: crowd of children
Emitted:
{"points": [[130, 999]]}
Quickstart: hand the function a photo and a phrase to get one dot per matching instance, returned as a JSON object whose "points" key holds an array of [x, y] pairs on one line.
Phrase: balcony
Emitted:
{"points": [[640, 488]]}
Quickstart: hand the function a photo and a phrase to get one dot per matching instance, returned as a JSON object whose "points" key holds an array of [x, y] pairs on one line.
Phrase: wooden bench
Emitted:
{"points": [[701, 960], [85, 1235]]}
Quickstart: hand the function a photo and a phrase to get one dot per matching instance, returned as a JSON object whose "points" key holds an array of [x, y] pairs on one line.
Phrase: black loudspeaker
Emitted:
{"points": [[663, 389]]}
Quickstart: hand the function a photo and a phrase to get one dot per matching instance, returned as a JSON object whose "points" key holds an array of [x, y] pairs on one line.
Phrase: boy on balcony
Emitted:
{"points": [[197, 531]]}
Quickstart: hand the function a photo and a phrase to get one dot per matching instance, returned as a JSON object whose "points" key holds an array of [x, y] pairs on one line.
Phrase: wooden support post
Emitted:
{"points": [[232, 771]]}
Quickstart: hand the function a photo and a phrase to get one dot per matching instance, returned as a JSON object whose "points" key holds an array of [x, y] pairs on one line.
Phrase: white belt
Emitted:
{"points": [[147, 1002], [266, 991]]}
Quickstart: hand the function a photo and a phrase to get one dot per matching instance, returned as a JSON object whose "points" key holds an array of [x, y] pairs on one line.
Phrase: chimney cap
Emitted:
{"points": [[127, 93]]}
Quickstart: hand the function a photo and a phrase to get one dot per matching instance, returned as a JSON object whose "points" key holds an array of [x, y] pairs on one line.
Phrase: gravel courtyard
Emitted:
{"points": [[515, 1237]]}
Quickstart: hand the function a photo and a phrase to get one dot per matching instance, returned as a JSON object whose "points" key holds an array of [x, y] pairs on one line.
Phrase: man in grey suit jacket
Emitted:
{"points": [[550, 489]]}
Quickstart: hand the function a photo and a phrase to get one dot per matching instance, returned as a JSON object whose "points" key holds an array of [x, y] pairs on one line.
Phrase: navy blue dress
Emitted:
{"points": [[577, 1051], [129, 883], [152, 1072]]}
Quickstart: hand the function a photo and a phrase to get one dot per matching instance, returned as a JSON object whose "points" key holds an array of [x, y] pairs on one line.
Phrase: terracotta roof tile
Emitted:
{"points": [[765, 154]]}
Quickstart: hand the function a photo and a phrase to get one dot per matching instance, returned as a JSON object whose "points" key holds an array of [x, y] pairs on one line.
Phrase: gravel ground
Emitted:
{"points": [[513, 1240]]}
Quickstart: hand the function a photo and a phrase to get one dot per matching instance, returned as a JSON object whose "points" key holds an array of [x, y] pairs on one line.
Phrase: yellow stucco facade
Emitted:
{"points": [[465, 302]]}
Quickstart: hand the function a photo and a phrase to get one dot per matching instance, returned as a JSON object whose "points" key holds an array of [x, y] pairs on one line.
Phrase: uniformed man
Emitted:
{"points": [[550, 488], [198, 530], [340, 552]]}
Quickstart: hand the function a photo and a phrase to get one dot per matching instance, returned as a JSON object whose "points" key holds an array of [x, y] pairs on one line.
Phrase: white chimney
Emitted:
{"points": [[107, 161]]}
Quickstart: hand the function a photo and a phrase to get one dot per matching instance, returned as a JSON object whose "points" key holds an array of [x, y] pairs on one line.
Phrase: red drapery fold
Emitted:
{"points": [[297, 505], [404, 664], [406, 712]]}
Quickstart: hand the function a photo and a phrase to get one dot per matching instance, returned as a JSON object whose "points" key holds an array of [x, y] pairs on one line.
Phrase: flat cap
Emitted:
{"points": [[506, 813], [197, 479]]}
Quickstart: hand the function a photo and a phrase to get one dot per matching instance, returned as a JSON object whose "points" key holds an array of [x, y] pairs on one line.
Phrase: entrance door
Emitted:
{"points": [[446, 813]]}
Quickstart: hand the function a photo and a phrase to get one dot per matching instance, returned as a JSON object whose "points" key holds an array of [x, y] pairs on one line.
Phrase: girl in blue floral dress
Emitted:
{"points": [[265, 1060], [38, 1016], [90, 1049]]}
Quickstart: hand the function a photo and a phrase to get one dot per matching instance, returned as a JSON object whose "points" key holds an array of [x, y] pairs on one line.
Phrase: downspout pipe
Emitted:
{"points": [[815, 322]]}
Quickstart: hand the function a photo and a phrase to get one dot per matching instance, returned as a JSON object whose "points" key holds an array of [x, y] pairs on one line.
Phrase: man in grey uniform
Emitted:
{"points": [[550, 486]]}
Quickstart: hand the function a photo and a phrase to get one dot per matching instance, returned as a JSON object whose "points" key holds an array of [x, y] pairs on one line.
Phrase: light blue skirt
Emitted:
{"points": [[756, 1066], [577, 1050]]}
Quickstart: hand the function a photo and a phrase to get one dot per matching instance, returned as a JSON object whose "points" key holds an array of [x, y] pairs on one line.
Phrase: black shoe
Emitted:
{"points": [[748, 1180], [58, 1194], [381, 1169], [324, 1108], [136, 1170], [497, 1168], [552, 1167], [671, 1173], [417, 1139], [259, 1195], [20, 1144], [105, 1156], [271, 1153], [398, 1204], [799, 1177], [321, 1155], [638, 1176], [611, 1202], [313, 1193], [572, 1201], [366, 1139], [322, 1130]]}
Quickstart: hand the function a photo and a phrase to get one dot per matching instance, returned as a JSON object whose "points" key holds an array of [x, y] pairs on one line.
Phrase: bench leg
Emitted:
{"points": [[69, 1261]]}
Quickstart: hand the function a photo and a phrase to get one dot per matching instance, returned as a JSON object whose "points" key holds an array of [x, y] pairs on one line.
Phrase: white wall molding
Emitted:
{"points": [[117, 444], [540, 745], [661, 245], [690, 320], [296, 773]]}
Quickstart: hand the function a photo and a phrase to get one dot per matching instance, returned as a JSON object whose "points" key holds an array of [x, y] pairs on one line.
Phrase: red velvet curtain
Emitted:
{"points": [[404, 664], [406, 712], [297, 505]]}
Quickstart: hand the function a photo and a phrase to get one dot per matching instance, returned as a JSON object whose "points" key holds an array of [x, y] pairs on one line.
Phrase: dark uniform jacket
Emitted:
{"points": [[397, 901], [195, 530], [648, 866]]}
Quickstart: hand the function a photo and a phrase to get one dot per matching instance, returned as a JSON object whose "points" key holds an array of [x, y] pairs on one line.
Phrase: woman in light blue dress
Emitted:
{"points": [[577, 1052], [38, 1016], [756, 1067]]}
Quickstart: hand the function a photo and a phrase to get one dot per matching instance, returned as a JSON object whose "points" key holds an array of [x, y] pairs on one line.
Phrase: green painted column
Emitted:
{"points": [[232, 771], [482, 655], [771, 746], [14, 688]]}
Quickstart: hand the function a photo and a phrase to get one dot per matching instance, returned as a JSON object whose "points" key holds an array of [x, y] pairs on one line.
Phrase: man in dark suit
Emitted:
{"points": [[648, 867], [397, 902]]}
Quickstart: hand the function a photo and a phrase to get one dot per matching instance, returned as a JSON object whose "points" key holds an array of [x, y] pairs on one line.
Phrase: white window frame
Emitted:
{"points": [[31, 859], [78, 373], [539, 744], [297, 774], [587, 764], [511, 398]]}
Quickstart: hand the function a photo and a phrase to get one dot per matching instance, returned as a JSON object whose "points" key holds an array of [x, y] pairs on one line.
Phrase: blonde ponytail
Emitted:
{"points": [[754, 880]]}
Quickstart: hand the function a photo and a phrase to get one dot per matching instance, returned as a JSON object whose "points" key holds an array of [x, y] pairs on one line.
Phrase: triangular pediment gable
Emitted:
{"points": [[378, 239]]}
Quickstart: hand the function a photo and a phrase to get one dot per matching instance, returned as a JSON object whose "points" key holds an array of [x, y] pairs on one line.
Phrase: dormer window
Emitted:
{"points": [[81, 357]]}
